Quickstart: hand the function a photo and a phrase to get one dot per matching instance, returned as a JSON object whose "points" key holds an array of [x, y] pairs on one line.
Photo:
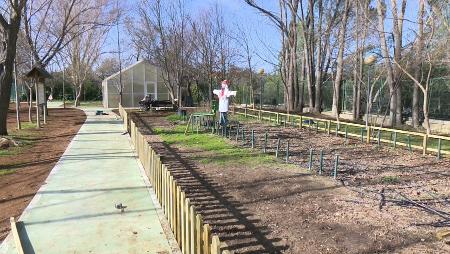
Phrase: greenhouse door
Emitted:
{"points": [[150, 88]]}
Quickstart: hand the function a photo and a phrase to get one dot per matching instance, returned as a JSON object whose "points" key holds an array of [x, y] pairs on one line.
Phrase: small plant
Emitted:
{"points": [[390, 180]]}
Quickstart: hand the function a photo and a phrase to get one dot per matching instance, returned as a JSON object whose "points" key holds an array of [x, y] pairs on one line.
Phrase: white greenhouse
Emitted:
{"points": [[138, 80]]}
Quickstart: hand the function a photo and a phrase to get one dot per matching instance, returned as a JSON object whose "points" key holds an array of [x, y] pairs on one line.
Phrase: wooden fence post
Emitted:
{"points": [[368, 135], [192, 223], [183, 222], [206, 239], [328, 127], [198, 234], [172, 203], [187, 208], [215, 245], [179, 216], [425, 144]]}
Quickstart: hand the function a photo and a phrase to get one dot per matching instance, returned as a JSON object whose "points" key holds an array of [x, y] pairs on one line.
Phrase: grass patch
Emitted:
{"points": [[25, 138], [175, 118], [219, 151], [390, 180], [95, 104], [4, 172]]}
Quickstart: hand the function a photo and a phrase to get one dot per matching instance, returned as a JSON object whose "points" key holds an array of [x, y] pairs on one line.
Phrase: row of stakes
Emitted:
{"points": [[241, 132], [375, 135]]}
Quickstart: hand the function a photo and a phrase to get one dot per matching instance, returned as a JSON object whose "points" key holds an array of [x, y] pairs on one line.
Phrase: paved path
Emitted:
{"points": [[74, 211]]}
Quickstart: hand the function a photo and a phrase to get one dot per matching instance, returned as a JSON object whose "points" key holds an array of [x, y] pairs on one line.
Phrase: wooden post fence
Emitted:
{"points": [[191, 233]]}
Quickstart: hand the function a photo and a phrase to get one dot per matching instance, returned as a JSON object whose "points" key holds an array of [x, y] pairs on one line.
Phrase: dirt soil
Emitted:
{"points": [[284, 208], [32, 164]]}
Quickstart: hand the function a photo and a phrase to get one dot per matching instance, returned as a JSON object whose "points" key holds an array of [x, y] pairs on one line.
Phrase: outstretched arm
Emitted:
{"points": [[231, 93]]}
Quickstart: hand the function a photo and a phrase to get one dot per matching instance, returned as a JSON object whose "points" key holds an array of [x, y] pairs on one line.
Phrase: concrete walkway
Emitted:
{"points": [[74, 211]]}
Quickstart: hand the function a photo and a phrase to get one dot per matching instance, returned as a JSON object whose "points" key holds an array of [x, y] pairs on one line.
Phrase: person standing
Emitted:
{"points": [[224, 100]]}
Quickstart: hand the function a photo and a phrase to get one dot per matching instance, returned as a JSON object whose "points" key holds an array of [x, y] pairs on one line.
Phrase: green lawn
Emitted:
{"points": [[25, 137], [70, 103], [219, 150]]}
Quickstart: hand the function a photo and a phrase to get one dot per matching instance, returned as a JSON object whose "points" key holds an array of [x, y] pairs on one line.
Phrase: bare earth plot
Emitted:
{"points": [[261, 205]]}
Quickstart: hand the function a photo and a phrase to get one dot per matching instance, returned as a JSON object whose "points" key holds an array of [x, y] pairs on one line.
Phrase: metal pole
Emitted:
{"points": [[439, 150], [395, 139], [321, 162], [362, 135], [278, 147], [287, 151], [379, 138], [265, 143], [409, 143], [310, 159], [336, 165]]}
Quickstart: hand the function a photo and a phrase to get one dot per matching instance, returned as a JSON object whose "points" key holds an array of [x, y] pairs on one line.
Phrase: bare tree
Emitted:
{"points": [[50, 25], [361, 9], [9, 29], [419, 45], [421, 74], [84, 49], [340, 62], [244, 41], [83, 52], [169, 47], [286, 21], [393, 72], [206, 37]]}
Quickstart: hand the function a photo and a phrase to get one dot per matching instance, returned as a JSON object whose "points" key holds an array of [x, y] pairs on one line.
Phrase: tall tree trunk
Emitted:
{"points": [[318, 67], [355, 92], [415, 105], [381, 12], [355, 108], [6, 68], [301, 102], [418, 69], [78, 92], [426, 121], [340, 62], [397, 23]]}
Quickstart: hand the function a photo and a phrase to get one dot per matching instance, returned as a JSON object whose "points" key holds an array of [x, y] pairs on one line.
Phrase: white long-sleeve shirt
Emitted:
{"points": [[224, 99]]}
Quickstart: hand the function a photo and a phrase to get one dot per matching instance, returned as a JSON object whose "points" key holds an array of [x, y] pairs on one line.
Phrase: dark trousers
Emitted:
{"points": [[223, 119]]}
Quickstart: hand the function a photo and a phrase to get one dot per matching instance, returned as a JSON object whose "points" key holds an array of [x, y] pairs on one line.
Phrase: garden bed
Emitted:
{"points": [[260, 204]]}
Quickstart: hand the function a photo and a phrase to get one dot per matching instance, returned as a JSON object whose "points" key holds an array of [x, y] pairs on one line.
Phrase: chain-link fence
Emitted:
{"points": [[439, 97]]}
